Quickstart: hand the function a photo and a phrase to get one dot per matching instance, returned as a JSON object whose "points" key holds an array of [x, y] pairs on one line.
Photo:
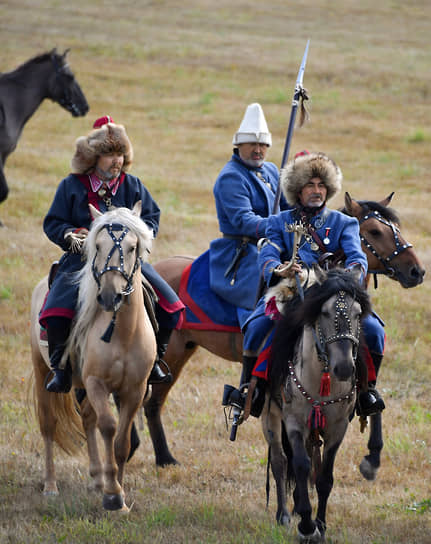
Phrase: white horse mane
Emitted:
{"points": [[87, 302]]}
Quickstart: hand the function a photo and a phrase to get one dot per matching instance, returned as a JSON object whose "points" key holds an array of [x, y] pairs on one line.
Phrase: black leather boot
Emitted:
{"points": [[370, 402], [58, 333], [157, 374], [236, 397]]}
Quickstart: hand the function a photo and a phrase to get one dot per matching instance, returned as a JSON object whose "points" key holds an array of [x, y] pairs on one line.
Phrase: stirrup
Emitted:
{"points": [[369, 403], [157, 375]]}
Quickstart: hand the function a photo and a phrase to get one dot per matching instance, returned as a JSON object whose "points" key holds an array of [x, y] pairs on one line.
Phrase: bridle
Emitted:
{"points": [[322, 341], [111, 228], [399, 247]]}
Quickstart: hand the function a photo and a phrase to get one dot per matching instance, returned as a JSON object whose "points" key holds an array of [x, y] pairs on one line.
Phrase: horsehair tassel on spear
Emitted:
{"points": [[299, 94]]}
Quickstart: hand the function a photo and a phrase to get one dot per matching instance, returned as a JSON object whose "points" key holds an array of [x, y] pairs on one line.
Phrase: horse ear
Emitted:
{"points": [[386, 201], [66, 51], [137, 208], [352, 206], [94, 212]]}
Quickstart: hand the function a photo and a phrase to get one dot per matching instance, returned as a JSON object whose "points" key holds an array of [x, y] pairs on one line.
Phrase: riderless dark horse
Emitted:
{"points": [[23, 90]]}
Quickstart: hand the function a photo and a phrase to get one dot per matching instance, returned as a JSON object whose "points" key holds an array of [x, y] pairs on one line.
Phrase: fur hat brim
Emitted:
{"points": [[110, 138], [302, 169]]}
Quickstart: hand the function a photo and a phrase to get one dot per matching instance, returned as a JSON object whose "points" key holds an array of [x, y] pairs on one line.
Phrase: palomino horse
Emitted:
{"points": [[112, 348], [23, 90], [316, 338], [387, 253]]}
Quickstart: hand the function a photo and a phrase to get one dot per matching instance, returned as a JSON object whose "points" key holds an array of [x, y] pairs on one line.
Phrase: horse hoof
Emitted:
{"points": [[50, 489], [50, 493], [310, 539], [284, 520], [367, 470], [113, 501]]}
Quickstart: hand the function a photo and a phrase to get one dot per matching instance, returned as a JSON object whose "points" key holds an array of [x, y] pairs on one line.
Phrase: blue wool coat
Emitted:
{"points": [[69, 210], [244, 202], [341, 231], [337, 229]]}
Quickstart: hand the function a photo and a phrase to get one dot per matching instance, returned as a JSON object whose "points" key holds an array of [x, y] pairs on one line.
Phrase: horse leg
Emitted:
{"points": [[4, 189], [371, 462], [307, 529], [179, 352], [47, 420], [324, 484], [130, 403], [89, 422], [99, 397], [272, 430]]}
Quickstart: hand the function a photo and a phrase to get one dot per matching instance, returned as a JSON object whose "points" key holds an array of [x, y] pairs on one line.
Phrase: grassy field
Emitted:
{"points": [[179, 76]]}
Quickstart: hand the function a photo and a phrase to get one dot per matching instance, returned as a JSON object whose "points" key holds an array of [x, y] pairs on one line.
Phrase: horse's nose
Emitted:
{"points": [[109, 302], [417, 273], [344, 371]]}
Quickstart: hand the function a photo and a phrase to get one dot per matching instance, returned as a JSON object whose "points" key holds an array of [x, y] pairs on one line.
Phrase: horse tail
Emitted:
{"points": [[58, 413]]}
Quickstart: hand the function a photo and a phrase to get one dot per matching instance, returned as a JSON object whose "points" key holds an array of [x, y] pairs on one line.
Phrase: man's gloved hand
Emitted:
{"points": [[75, 239]]}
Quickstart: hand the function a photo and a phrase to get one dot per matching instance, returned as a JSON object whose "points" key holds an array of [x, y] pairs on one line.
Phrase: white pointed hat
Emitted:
{"points": [[253, 127]]}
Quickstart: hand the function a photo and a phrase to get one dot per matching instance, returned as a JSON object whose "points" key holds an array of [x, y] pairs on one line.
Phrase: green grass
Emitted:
{"points": [[179, 76]]}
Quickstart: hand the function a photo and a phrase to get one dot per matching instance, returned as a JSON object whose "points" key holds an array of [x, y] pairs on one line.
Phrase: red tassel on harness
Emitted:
{"points": [[325, 385], [271, 310], [316, 420]]}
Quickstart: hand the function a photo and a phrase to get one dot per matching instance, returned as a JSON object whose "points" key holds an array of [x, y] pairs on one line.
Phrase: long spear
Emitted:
{"points": [[299, 94]]}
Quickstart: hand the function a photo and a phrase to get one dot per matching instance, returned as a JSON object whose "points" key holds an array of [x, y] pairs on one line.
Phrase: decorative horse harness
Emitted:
{"points": [[111, 228], [399, 247]]}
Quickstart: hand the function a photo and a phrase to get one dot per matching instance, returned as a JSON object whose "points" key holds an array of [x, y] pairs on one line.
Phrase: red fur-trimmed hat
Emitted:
{"points": [[106, 137]]}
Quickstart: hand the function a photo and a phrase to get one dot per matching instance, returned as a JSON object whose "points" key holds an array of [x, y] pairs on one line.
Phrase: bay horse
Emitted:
{"points": [[387, 253], [22, 91], [318, 337], [112, 348]]}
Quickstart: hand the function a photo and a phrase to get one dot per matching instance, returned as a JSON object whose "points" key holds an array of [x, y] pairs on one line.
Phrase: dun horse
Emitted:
{"points": [[387, 253], [112, 348], [23, 90], [316, 336]]}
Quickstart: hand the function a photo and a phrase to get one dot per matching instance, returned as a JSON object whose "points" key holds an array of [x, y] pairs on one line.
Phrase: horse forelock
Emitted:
{"points": [[299, 314], [125, 217]]}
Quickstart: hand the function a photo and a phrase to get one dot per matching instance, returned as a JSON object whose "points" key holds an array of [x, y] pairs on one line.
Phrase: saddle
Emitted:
{"points": [[150, 300]]}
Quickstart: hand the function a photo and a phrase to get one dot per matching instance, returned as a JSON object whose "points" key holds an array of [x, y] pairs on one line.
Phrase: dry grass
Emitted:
{"points": [[179, 76]]}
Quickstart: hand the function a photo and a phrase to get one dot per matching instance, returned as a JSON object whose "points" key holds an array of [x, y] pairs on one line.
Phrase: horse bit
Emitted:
{"points": [[399, 248]]}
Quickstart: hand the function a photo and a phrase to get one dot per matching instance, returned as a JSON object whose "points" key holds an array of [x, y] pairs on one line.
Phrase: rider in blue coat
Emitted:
{"points": [[100, 178], [308, 182], [244, 194]]}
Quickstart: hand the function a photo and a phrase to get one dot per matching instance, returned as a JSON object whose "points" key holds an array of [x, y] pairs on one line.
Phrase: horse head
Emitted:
{"points": [[330, 316], [343, 304], [117, 242], [63, 87], [387, 250]]}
